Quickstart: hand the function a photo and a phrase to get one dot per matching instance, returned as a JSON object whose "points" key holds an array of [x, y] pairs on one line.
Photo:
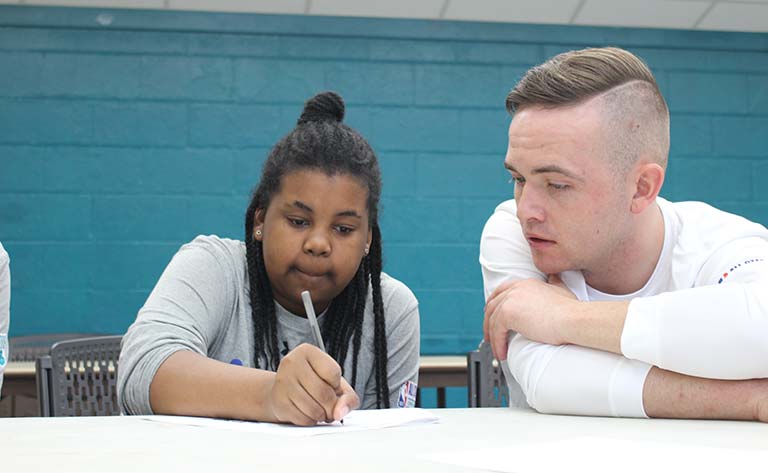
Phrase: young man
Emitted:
{"points": [[604, 298]]}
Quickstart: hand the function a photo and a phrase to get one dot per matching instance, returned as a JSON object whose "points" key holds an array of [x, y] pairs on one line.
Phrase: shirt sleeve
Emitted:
{"points": [[187, 310], [563, 379], [725, 314], [402, 326]]}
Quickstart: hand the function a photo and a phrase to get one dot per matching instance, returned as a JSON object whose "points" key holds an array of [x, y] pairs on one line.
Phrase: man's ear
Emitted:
{"points": [[648, 180], [258, 224]]}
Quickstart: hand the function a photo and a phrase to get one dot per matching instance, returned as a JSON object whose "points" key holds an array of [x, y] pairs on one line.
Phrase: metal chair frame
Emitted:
{"points": [[487, 386]]}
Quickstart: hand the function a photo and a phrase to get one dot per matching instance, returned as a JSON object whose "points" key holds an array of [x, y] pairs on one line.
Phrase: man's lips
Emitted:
{"points": [[538, 241]]}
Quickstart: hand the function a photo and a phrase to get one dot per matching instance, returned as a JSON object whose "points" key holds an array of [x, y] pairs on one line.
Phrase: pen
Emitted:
{"points": [[310, 310]]}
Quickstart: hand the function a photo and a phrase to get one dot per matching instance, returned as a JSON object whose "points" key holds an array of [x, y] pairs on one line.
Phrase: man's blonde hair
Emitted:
{"points": [[636, 114]]}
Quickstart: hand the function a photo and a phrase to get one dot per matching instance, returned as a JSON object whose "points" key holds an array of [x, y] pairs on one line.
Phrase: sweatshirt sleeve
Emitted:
{"points": [[717, 329], [187, 310], [563, 379]]}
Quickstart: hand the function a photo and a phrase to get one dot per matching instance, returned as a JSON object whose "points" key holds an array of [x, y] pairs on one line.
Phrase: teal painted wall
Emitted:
{"points": [[124, 134]]}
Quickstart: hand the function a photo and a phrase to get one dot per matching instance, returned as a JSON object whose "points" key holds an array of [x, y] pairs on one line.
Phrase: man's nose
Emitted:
{"points": [[317, 243], [529, 205]]}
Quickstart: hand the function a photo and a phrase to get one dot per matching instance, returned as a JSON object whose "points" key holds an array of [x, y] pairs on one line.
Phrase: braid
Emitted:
{"points": [[379, 330], [346, 314], [366, 271], [260, 295]]}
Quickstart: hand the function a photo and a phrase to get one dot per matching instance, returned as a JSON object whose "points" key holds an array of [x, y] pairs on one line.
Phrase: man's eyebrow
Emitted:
{"points": [[343, 213], [556, 169], [547, 169]]}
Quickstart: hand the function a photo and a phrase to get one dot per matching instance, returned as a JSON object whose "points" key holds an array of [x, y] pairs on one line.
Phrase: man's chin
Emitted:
{"points": [[547, 266]]}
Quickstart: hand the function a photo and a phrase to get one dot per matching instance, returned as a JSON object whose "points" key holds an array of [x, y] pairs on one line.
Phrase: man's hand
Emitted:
{"points": [[532, 308], [308, 388]]}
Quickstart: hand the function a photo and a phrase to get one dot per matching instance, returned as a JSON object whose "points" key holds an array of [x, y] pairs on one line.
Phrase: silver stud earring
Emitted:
{"points": [[258, 233], [366, 250]]}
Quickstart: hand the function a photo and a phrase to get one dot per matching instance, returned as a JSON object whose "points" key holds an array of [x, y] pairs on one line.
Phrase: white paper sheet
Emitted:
{"points": [[605, 455], [353, 422]]}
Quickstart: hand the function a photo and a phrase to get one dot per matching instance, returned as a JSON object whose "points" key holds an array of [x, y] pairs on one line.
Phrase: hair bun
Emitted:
{"points": [[325, 106]]}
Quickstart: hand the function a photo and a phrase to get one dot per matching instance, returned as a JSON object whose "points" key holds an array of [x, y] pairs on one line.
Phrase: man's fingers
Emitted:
{"points": [[498, 335], [501, 288], [498, 296], [499, 343]]}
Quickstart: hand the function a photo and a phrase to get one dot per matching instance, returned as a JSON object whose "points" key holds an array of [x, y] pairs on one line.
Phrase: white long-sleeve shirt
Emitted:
{"points": [[703, 312]]}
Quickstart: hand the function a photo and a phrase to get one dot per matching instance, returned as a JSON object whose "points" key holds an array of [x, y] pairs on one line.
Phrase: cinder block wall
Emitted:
{"points": [[125, 133]]}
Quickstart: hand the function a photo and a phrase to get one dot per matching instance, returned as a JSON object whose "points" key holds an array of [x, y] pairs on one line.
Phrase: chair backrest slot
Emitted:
{"points": [[79, 378]]}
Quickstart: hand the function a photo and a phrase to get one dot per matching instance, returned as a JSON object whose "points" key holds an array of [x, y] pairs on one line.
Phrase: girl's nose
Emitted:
{"points": [[317, 244]]}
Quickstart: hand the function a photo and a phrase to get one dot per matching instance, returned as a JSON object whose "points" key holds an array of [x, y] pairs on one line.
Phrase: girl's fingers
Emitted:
{"points": [[324, 366], [307, 410], [319, 390], [348, 401]]}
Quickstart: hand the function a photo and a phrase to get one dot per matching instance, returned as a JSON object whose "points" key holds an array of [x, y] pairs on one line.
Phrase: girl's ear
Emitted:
{"points": [[368, 241], [258, 225]]}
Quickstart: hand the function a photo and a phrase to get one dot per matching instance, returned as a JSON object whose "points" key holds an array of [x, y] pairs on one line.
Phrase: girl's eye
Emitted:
{"points": [[343, 229], [298, 222]]}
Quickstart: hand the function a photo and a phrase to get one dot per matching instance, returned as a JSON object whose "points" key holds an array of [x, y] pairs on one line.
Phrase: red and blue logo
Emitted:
{"points": [[733, 268]]}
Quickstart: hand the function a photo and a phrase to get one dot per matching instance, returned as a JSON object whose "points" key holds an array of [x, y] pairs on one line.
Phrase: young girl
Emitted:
{"points": [[224, 332]]}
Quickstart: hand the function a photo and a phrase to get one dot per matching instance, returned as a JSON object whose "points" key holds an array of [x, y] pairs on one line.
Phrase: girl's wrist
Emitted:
{"points": [[268, 401]]}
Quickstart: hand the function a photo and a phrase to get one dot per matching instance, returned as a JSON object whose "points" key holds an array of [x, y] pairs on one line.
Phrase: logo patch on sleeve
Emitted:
{"points": [[734, 268]]}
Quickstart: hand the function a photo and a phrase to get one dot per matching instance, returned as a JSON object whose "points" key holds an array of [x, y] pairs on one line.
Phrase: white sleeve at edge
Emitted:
{"points": [[557, 379], [717, 330], [569, 379]]}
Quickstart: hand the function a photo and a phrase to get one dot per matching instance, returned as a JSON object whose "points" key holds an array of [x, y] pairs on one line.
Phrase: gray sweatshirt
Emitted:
{"points": [[201, 304]]}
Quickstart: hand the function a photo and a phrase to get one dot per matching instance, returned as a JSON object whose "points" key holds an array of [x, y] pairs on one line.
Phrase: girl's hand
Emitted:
{"points": [[308, 388], [347, 401]]}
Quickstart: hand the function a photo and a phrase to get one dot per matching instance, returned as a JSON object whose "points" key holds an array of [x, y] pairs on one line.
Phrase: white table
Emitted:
{"points": [[131, 444]]}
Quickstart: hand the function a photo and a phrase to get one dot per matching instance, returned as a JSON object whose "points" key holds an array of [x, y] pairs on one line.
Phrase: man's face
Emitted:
{"points": [[572, 206]]}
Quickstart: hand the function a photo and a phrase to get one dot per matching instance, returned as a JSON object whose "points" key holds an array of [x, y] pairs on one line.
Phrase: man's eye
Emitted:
{"points": [[517, 180], [558, 187]]}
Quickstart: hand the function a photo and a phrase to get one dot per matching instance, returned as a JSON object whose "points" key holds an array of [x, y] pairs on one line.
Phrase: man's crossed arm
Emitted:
{"points": [[549, 313]]}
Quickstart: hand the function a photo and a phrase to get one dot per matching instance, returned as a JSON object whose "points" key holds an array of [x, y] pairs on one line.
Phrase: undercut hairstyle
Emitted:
{"points": [[635, 118], [321, 142]]}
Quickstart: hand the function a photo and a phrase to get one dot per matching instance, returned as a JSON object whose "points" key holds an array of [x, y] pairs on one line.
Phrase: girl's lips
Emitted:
{"points": [[311, 274]]}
